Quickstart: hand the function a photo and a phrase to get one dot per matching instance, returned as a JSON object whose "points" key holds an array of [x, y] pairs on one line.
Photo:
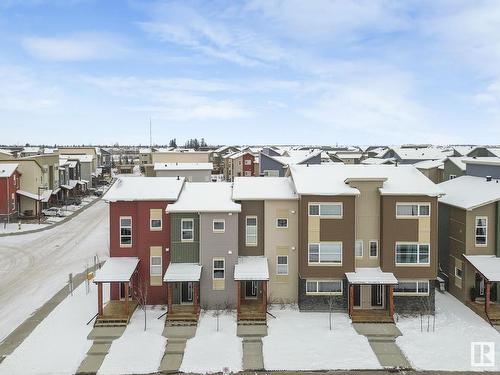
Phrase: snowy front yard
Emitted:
{"points": [[14, 227], [138, 351], [449, 347], [59, 343], [303, 341], [211, 350]]}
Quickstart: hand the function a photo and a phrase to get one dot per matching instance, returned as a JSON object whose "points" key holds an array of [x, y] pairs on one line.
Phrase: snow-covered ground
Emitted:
{"points": [[14, 227], [303, 341], [59, 343], [124, 356], [449, 346], [35, 266], [211, 350]]}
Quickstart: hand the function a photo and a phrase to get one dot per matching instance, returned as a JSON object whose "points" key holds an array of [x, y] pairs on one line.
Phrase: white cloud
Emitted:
{"points": [[76, 47]]}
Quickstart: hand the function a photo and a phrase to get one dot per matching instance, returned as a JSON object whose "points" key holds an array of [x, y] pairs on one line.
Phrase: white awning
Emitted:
{"points": [[371, 276], [118, 269], [46, 195], [251, 268], [56, 190], [67, 187], [487, 265], [27, 194], [178, 272]]}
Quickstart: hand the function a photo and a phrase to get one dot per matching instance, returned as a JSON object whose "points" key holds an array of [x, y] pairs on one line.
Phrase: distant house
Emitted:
{"points": [[239, 164], [432, 169], [412, 155], [9, 184], [218, 157], [195, 172], [276, 166], [485, 151]]}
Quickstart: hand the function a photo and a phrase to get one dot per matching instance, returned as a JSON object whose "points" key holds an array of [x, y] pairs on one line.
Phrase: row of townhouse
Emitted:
{"points": [[349, 237]]}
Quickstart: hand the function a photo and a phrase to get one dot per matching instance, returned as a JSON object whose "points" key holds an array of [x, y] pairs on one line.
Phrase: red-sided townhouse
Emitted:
{"points": [[9, 184], [139, 241]]}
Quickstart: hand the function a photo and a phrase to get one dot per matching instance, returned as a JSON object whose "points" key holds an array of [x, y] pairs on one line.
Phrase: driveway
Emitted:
{"points": [[33, 267]]}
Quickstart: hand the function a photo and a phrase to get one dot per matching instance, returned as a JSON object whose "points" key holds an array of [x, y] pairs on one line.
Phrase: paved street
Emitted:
{"points": [[33, 267]]}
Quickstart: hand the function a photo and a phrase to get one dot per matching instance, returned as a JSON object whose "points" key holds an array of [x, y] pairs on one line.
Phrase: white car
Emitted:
{"points": [[53, 211]]}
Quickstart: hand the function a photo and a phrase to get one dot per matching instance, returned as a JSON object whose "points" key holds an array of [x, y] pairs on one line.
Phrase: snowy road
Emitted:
{"points": [[33, 267]]}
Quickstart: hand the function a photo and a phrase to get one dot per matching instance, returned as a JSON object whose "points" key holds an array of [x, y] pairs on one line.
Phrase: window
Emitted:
{"points": [[251, 231], [452, 176], [412, 288], [325, 252], [326, 287], [248, 173], [358, 248], [282, 265], [248, 162], [325, 209], [458, 273], [413, 209], [219, 226], [373, 249], [125, 231], [271, 173], [281, 222], [155, 268], [187, 230], [219, 271], [155, 219], [412, 253], [481, 230]]}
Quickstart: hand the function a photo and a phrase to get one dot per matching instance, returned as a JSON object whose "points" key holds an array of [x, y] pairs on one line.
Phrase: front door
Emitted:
{"points": [[187, 292], [479, 286], [377, 296], [251, 288], [121, 288], [357, 296]]}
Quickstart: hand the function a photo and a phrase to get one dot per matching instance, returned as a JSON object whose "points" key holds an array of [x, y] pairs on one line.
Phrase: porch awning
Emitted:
{"points": [[119, 269], [27, 194], [251, 268], [178, 272], [56, 191], [46, 195], [67, 187], [486, 265], [371, 276]]}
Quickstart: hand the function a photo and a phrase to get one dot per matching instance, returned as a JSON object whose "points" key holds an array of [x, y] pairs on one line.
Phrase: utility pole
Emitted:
{"points": [[150, 135]]}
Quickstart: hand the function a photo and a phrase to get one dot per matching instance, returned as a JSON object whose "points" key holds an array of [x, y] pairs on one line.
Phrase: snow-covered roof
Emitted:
{"points": [[349, 155], [183, 166], [421, 153], [262, 188], [371, 275], [177, 272], [483, 161], [82, 158], [487, 265], [378, 161], [463, 150], [469, 192], [239, 154], [293, 157], [205, 197], [429, 164], [145, 189], [251, 268], [145, 151], [330, 179], [117, 269], [27, 194], [7, 169], [32, 149], [6, 152], [494, 150]]}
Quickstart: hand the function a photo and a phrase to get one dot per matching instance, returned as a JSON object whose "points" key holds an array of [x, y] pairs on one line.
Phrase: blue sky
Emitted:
{"points": [[250, 72]]}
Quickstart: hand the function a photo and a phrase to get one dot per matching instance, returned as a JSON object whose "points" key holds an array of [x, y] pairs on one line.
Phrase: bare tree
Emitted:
{"points": [[217, 312], [142, 297], [331, 305]]}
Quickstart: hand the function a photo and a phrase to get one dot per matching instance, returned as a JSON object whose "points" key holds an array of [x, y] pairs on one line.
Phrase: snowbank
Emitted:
{"points": [[210, 351], [59, 343], [303, 341], [138, 351], [449, 347]]}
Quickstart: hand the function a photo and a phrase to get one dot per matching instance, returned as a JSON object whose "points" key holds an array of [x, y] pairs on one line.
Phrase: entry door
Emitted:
{"points": [[357, 296], [121, 288], [251, 288], [187, 292], [377, 296], [479, 286]]}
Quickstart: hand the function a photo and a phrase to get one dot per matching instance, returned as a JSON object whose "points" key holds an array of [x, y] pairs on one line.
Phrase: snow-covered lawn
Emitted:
{"points": [[211, 350], [138, 351], [449, 347], [14, 227], [303, 341], [59, 343]]}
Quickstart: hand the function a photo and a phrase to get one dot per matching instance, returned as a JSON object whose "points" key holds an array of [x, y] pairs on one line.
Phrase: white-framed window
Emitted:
{"points": [[219, 269], [155, 219], [373, 249], [413, 210], [282, 222], [412, 287], [452, 176], [125, 231], [155, 268], [248, 162], [412, 253], [251, 231], [458, 273], [271, 173], [219, 226], [247, 173], [187, 230], [327, 210], [325, 253], [324, 287], [481, 236], [282, 265], [358, 248]]}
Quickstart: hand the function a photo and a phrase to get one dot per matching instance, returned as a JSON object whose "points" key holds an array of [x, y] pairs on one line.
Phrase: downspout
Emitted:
{"points": [[497, 232]]}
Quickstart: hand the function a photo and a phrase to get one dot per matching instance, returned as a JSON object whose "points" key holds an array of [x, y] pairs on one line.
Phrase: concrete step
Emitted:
{"points": [[170, 363], [175, 347], [244, 330], [99, 348], [252, 355]]}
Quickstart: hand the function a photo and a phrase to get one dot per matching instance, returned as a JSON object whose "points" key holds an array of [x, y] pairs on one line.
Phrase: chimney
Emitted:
{"points": [[488, 178]]}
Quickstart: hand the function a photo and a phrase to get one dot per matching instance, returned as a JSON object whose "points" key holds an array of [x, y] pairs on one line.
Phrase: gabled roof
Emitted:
{"points": [[183, 166], [264, 188], [145, 189], [469, 192], [463, 150], [330, 179], [293, 157], [378, 161], [429, 164], [6, 170], [421, 153], [205, 197]]}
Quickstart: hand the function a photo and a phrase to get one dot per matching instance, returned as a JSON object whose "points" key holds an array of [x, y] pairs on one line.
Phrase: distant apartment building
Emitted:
{"points": [[194, 172]]}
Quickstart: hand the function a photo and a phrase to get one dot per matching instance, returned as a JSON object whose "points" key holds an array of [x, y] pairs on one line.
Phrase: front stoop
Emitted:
{"points": [[177, 336], [253, 358]]}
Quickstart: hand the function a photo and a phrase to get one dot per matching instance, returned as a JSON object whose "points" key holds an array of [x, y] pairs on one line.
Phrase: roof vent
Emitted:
{"points": [[488, 178], [178, 177]]}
